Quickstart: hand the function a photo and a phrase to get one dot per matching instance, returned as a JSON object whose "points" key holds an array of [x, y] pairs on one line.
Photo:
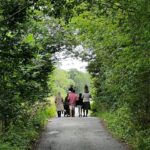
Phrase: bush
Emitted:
{"points": [[21, 135], [6, 146], [121, 126], [41, 116], [142, 140]]}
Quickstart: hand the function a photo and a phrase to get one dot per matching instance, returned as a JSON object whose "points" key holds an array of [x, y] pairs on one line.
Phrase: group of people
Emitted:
{"points": [[82, 101]]}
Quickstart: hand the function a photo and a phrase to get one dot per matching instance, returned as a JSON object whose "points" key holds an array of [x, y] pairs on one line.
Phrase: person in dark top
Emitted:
{"points": [[79, 104], [66, 107]]}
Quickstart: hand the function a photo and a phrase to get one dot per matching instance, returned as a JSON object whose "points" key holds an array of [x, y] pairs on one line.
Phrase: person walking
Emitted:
{"points": [[79, 104], [72, 98], [86, 101], [66, 106], [59, 104]]}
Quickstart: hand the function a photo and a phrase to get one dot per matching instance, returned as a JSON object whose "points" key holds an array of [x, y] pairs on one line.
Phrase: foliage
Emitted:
{"points": [[115, 36], [29, 40], [121, 125], [116, 40], [80, 79], [62, 80], [23, 134], [118, 62]]}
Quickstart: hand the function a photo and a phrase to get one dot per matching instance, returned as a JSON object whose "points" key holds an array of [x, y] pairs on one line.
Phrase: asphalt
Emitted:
{"points": [[84, 133]]}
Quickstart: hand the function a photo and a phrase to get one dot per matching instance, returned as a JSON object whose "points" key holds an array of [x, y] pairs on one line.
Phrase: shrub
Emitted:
{"points": [[21, 135], [120, 124]]}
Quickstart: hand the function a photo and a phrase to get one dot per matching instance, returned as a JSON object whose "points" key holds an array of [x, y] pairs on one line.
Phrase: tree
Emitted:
{"points": [[29, 40], [80, 79], [61, 82], [115, 36]]}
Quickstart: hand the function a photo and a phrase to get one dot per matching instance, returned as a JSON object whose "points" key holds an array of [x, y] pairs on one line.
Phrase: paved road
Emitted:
{"points": [[77, 134]]}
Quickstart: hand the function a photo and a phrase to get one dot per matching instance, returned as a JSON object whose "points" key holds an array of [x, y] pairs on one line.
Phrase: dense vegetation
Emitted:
{"points": [[115, 35], [64, 79], [80, 80], [116, 38], [29, 38]]}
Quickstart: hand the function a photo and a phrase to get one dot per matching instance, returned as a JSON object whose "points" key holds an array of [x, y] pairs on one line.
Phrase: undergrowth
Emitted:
{"points": [[122, 127], [22, 135]]}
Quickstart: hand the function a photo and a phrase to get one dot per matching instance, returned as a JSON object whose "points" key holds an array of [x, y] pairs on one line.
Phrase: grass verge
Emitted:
{"points": [[121, 126]]}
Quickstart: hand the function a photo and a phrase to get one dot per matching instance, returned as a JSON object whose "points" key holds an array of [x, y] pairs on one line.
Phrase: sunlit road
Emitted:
{"points": [[77, 134]]}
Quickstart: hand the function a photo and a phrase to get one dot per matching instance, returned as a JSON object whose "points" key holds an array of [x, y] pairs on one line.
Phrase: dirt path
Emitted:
{"points": [[77, 134]]}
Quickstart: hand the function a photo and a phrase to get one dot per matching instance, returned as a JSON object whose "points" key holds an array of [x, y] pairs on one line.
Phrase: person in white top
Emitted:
{"points": [[86, 101]]}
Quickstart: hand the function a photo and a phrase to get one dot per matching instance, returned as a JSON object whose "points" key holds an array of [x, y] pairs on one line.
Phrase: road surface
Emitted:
{"points": [[86, 133]]}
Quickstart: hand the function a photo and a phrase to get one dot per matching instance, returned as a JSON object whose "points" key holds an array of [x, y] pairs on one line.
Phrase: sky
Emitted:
{"points": [[73, 63], [68, 62]]}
